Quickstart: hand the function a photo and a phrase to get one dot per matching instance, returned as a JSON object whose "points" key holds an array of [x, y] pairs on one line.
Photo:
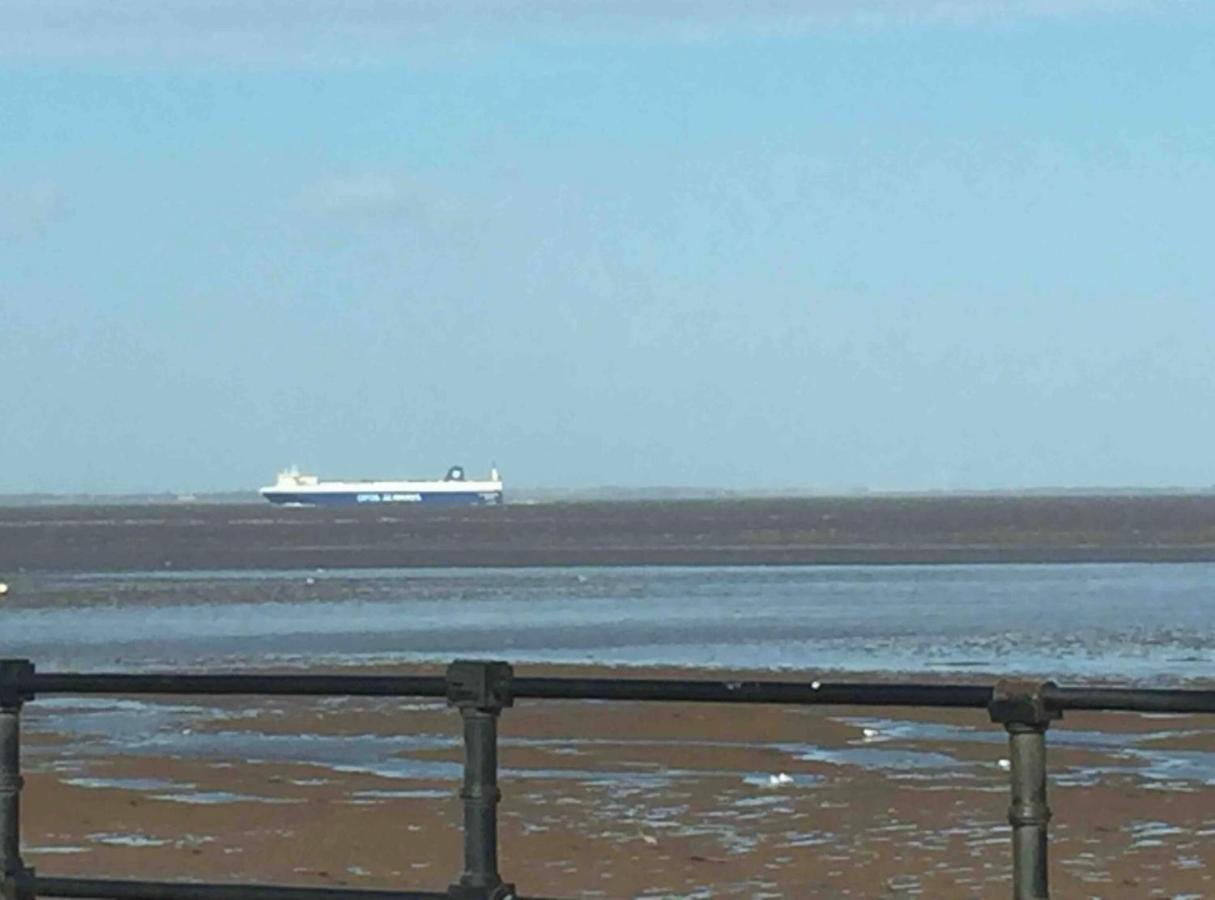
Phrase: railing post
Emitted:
{"points": [[12, 695], [1019, 707], [481, 690]]}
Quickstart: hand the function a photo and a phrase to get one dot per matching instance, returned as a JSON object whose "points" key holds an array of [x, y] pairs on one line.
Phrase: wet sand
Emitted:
{"points": [[951, 529], [626, 800], [613, 800]]}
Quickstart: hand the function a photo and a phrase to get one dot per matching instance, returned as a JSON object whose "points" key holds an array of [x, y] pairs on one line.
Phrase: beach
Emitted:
{"points": [[618, 800], [613, 800]]}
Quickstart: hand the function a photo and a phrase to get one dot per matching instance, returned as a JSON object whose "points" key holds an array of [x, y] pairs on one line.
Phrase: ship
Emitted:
{"points": [[294, 488]]}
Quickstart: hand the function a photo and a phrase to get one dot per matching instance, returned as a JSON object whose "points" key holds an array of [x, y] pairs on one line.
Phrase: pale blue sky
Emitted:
{"points": [[913, 244]]}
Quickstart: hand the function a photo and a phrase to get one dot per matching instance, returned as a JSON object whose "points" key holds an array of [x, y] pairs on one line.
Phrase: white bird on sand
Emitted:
{"points": [[3, 588]]}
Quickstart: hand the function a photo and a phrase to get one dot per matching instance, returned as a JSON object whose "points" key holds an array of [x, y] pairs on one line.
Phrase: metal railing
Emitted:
{"points": [[481, 690]]}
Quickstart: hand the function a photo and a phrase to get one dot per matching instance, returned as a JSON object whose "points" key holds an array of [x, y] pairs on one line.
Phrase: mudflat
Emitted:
{"points": [[614, 799], [856, 530], [603, 800]]}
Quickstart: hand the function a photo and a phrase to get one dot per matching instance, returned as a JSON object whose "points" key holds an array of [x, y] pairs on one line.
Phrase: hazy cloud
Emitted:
{"points": [[390, 203], [28, 210], [329, 31], [366, 195]]}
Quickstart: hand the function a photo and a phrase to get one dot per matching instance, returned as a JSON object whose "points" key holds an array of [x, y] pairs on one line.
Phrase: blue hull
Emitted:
{"points": [[460, 498]]}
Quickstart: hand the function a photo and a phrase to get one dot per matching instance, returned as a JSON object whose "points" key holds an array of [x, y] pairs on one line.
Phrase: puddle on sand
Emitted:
{"points": [[780, 781], [881, 759], [1150, 834], [216, 798], [416, 793], [128, 784], [1129, 754], [55, 850], [118, 839]]}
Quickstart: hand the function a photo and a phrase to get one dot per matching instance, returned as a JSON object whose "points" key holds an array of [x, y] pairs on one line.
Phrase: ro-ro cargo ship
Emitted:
{"points": [[296, 489]]}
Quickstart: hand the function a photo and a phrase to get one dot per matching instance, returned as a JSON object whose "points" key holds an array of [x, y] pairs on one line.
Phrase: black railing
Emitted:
{"points": [[481, 690]]}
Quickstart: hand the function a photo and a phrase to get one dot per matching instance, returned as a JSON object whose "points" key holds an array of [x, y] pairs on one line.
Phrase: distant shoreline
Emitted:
{"points": [[863, 530], [608, 493]]}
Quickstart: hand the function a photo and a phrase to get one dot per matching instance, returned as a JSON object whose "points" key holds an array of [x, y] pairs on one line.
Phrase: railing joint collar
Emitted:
{"points": [[1019, 705], [480, 684], [16, 682]]}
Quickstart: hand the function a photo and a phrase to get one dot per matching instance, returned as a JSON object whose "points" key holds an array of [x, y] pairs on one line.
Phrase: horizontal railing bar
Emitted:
{"points": [[960, 696], [1129, 699], [825, 693], [107, 889], [671, 690], [299, 685]]}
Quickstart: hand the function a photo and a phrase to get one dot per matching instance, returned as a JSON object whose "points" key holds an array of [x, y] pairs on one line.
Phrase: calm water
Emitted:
{"points": [[1149, 622]]}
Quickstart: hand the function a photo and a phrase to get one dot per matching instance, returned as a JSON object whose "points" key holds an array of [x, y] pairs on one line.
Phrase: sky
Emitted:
{"points": [[832, 244]]}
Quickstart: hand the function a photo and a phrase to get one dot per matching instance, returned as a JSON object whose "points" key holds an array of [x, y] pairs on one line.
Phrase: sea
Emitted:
{"points": [[1139, 623]]}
